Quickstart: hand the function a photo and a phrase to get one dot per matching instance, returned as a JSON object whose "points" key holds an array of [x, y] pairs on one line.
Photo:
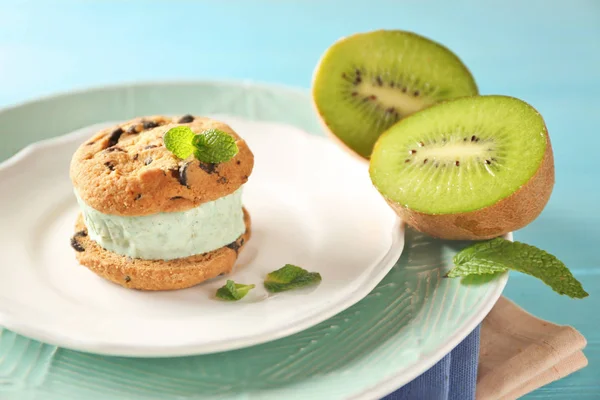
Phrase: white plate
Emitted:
{"points": [[311, 205]]}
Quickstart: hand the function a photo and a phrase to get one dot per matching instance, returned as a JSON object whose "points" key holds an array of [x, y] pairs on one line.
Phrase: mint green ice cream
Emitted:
{"points": [[165, 236]]}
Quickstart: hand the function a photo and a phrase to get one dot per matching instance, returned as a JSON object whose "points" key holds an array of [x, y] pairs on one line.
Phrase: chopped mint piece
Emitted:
{"points": [[290, 277], [232, 291], [499, 255], [178, 141], [214, 146]]}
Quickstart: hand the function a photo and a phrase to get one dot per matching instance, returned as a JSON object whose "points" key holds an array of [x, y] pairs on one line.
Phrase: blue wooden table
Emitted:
{"points": [[544, 52]]}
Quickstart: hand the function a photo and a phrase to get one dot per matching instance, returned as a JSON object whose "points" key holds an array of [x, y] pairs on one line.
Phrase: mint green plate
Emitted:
{"points": [[404, 326]]}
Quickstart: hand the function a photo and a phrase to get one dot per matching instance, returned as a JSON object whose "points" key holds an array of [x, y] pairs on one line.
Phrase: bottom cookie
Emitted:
{"points": [[141, 274]]}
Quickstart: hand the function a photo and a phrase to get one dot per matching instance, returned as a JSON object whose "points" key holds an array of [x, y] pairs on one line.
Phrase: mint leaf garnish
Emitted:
{"points": [[464, 266], [178, 141], [499, 255], [199, 141], [215, 146], [211, 146], [479, 267], [290, 277], [232, 291]]}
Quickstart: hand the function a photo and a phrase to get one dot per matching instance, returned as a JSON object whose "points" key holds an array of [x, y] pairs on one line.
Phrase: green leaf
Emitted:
{"points": [[465, 264], [199, 141], [498, 255], [290, 277], [476, 267], [214, 146], [178, 141], [469, 252], [232, 291], [475, 280]]}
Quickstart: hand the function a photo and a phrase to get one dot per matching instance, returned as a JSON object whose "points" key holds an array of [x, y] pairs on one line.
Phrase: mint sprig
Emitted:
{"points": [[501, 255], [232, 291], [210, 146], [178, 141], [290, 277], [214, 146]]}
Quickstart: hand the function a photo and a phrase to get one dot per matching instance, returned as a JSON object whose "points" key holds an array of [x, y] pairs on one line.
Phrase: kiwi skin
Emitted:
{"points": [[328, 132], [507, 215]]}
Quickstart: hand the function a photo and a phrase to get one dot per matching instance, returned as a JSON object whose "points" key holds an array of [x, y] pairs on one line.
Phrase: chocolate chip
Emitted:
{"points": [[180, 173], [113, 149], [235, 246], [76, 245], [80, 234], [138, 196], [127, 278], [222, 180], [238, 162], [209, 168], [110, 165], [114, 137], [150, 146], [90, 143], [183, 174], [149, 124], [148, 161], [135, 157], [186, 119], [176, 198]]}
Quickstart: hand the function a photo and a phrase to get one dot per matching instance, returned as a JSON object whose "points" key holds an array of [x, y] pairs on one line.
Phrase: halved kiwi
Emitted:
{"points": [[469, 168], [366, 82]]}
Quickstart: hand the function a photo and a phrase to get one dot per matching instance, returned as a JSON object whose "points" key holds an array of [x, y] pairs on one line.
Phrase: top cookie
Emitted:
{"points": [[126, 170]]}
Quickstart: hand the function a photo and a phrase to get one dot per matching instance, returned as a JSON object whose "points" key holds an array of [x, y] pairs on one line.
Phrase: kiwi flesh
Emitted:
{"points": [[471, 168], [365, 83]]}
